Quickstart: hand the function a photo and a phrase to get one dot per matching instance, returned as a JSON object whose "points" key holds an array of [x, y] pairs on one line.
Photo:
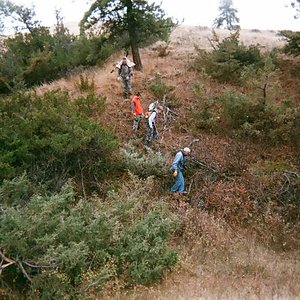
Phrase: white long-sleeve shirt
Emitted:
{"points": [[151, 119]]}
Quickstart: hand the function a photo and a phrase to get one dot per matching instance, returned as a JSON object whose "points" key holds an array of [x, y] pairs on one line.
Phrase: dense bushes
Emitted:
{"points": [[68, 246], [159, 88], [250, 118], [39, 56], [255, 112], [293, 42], [228, 59], [53, 138]]}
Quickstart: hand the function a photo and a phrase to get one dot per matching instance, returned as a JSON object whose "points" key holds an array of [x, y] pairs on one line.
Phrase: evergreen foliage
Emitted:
{"points": [[144, 164], [293, 42], [53, 138], [69, 246], [131, 23], [250, 118], [227, 15], [158, 87], [36, 58], [229, 59]]}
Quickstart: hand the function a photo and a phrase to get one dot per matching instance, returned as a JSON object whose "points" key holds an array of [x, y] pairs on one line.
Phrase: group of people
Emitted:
{"points": [[124, 74], [153, 110]]}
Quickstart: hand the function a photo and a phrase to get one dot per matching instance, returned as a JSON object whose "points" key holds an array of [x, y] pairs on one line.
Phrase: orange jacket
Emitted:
{"points": [[136, 106]]}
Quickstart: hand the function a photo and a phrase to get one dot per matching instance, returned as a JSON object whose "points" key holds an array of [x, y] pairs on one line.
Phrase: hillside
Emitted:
{"points": [[225, 252]]}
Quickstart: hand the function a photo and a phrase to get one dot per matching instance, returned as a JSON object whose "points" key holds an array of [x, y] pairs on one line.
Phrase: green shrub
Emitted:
{"points": [[269, 122], [144, 164], [54, 138], [91, 51], [16, 191], [206, 116], [293, 42], [37, 57], [238, 109], [85, 84], [249, 118], [60, 239], [158, 88], [264, 79], [90, 105], [228, 58]]}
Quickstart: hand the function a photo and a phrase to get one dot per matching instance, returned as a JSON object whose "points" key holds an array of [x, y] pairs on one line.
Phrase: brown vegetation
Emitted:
{"points": [[234, 243]]}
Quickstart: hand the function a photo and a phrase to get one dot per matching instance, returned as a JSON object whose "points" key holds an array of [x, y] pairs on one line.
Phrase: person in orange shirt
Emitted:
{"points": [[137, 110]]}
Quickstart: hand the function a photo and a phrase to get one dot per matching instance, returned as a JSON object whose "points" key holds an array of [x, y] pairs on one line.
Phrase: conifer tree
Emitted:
{"points": [[227, 15], [132, 23]]}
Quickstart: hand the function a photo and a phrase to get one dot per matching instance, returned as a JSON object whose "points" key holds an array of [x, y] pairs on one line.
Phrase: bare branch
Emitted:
{"points": [[6, 258], [211, 169], [37, 266], [23, 270]]}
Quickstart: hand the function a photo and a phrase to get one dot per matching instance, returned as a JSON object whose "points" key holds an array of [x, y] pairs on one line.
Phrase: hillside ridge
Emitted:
{"points": [[238, 266]]}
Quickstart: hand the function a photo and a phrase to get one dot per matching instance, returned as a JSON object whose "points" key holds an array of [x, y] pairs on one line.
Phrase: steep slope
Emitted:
{"points": [[218, 261], [172, 68]]}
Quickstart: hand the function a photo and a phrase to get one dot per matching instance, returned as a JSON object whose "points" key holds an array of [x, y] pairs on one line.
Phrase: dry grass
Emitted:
{"points": [[220, 263], [186, 37], [217, 261]]}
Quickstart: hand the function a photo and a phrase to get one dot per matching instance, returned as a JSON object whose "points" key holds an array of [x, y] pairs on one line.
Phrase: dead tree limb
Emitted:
{"points": [[23, 270], [209, 168], [168, 114], [11, 262], [288, 185], [31, 265]]}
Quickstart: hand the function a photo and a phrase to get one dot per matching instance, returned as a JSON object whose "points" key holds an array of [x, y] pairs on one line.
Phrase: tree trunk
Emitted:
{"points": [[133, 36], [136, 56]]}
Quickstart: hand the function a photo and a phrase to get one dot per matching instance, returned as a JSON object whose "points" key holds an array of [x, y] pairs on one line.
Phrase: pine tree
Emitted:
{"points": [[227, 15], [132, 23]]}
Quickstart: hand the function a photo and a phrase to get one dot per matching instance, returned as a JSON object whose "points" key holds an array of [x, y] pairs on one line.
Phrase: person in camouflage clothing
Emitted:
{"points": [[125, 74]]}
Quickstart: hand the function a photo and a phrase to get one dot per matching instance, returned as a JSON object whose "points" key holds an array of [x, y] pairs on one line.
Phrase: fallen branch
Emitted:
{"points": [[209, 168], [37, 266], [23, 270], [19, 264], [288, 183], [167, 113], [5, 258]]}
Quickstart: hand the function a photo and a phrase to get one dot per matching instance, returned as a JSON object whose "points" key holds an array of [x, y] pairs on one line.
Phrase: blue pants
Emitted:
{"points": [[179, 183]]}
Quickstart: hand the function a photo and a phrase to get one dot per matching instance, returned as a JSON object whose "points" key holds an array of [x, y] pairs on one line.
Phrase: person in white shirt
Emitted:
{"points": [[151, 124]]}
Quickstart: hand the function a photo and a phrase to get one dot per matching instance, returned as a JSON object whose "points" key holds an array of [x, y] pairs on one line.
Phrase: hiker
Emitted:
{"points": [[125, 73], [177, 168], [152, 132], [137, 111]]}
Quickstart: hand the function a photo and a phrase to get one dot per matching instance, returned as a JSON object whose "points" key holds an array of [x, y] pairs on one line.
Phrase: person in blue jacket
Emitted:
{"points": [[177, 168]]}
